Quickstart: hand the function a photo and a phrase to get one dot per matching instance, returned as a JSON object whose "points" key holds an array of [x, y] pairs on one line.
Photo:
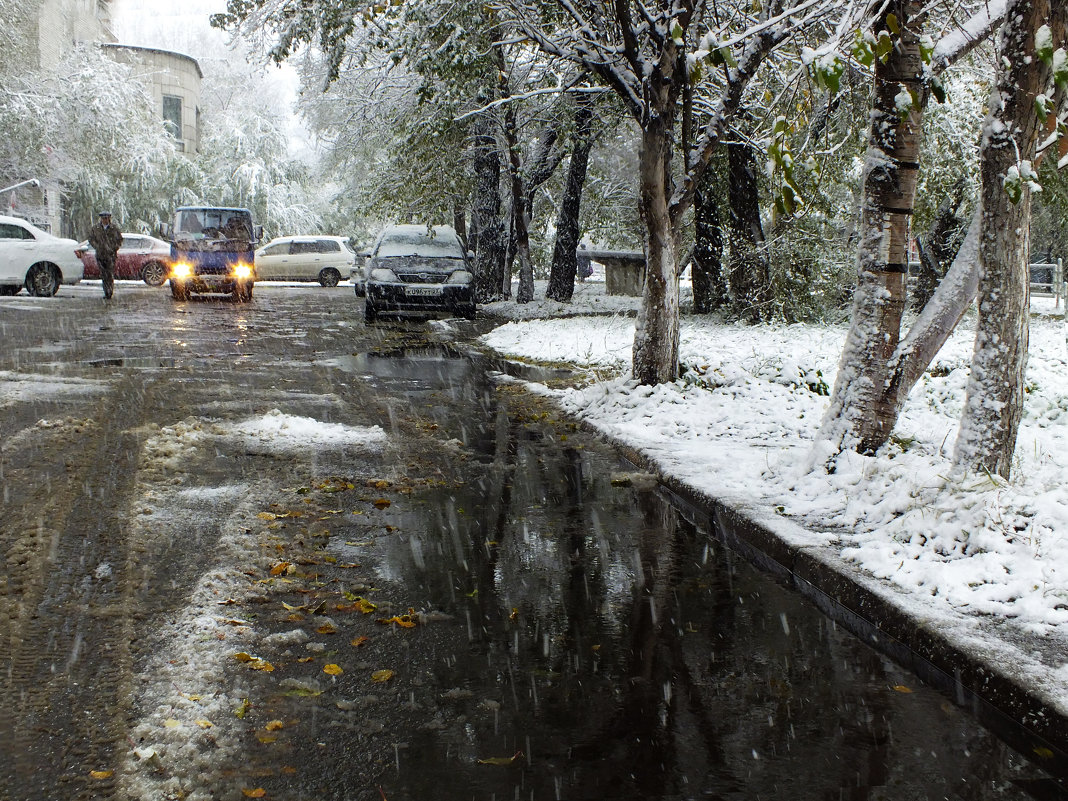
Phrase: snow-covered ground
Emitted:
{"points": [[740, 426]]}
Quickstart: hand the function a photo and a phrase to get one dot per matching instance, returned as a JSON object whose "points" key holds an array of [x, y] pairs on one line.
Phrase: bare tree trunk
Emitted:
{"points": [[749, 279], [656, 336], [489, 258], [861, 415], [706, 271], [562, 273], [994, 403]]}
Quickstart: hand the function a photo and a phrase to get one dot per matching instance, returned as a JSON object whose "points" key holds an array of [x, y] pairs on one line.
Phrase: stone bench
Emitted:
{"points": [[624, 270]]}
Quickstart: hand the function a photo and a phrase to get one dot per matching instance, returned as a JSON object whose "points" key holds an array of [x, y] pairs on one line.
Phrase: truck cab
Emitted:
{"points": [[212, 251]]}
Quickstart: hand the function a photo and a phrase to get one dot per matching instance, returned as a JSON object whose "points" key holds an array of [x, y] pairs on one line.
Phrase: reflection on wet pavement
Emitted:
{"points": [[597, 646]]}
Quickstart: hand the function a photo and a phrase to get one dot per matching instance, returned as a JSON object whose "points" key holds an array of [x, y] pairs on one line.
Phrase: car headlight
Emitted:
{"points": [[460, 277], [242, 270], [181, 270], [384, 275]]}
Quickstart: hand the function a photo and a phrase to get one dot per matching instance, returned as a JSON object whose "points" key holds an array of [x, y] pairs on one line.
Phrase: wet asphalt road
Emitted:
{"points": [[476, 602]]}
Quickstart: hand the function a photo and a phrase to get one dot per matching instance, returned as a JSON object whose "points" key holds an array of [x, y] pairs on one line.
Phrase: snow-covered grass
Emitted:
{"points": [[740, 426]]}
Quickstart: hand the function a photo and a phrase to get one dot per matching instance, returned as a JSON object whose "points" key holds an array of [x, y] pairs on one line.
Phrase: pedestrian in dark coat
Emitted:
{"points": [[106, 239]]}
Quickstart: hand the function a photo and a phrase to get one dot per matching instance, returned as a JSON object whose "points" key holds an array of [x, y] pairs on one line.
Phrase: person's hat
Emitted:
{"points": [[104, 214]]}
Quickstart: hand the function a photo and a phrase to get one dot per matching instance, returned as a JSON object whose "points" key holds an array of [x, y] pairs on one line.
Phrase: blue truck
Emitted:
{"points": [[212, 251]]}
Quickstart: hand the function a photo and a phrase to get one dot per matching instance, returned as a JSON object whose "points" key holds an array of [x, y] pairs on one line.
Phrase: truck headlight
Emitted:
{"points": [[242, 270], [181, 270]]}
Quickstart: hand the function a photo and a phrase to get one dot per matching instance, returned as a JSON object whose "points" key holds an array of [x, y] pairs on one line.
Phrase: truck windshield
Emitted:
{"points": [[220, 224]]}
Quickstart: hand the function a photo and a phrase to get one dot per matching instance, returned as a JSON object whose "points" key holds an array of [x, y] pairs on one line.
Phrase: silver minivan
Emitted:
{"points": [[325, 259]]}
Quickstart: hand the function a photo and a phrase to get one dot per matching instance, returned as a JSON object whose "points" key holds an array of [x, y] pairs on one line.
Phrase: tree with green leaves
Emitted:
{"points": [[878, 366], [1031, 91]]}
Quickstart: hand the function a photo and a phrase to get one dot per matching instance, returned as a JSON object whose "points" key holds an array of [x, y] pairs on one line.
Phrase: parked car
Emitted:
{"points": [[32, 258], [418, 270], [140, 257], [305, 258]]}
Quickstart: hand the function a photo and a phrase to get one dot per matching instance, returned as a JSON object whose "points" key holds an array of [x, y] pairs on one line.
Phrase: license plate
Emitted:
{"points": [[422, 290]]}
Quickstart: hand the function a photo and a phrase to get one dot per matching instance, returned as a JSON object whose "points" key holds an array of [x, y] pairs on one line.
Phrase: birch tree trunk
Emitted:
{"points": [[861, 415], [994, 402]]}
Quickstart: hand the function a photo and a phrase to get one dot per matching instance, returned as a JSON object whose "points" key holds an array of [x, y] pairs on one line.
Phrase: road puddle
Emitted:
{"points": [[591, 643]]}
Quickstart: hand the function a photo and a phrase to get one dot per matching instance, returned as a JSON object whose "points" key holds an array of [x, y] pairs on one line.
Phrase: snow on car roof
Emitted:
{"points": [[418, 240]]}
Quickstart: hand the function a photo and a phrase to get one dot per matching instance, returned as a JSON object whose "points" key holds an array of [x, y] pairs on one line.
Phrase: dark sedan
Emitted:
{"points": [[419, 271]]}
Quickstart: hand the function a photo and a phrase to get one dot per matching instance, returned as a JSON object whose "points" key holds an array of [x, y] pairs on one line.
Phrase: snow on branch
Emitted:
{"points": [[965, 38], [550, 90]]}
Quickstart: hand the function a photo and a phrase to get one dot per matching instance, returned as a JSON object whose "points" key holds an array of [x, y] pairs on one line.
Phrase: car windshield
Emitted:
{"points": [[213, 224], [419, 243], [213, 229]]}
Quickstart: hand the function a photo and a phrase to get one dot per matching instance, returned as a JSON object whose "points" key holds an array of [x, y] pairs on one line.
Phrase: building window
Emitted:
{"points": [[172, 116]]}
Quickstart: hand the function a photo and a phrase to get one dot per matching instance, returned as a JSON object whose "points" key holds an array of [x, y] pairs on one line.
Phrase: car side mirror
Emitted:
{"points": [[470, 254], [257, 232]]}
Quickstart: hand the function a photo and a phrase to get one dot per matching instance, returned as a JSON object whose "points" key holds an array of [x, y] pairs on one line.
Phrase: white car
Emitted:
{"points": [[305, 258], [32, 258]]}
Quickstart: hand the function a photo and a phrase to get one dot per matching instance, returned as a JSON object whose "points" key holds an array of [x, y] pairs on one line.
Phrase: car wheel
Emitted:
{"points": [[42, 281], [178, 291], [329, 277], [370, 313], [361, 289], [154, 274]]}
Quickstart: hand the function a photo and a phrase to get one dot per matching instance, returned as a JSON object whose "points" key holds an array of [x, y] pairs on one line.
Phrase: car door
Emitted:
{"points": [[273, 261], [336, 256], [306, 260], [16, 252], [130, 256]]}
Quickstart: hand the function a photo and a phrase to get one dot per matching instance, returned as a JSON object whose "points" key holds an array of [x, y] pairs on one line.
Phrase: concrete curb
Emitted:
{"points": [[990, 690]]}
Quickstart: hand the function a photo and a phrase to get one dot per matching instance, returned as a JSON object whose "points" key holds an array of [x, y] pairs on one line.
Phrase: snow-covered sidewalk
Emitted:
{"points": [[984, 558]]}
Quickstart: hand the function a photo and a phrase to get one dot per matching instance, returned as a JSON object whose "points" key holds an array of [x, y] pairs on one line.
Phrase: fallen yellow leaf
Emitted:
{"points": [[259, 792], [365, 606], [405, 621], [274, 725], [333, 670], [204, 724], [267, 516], [242, 709], [101, 774], [360, 642], [382, 503], [500, 760], [382, 675], [326, 628], [171, 723], [901, 688]]}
